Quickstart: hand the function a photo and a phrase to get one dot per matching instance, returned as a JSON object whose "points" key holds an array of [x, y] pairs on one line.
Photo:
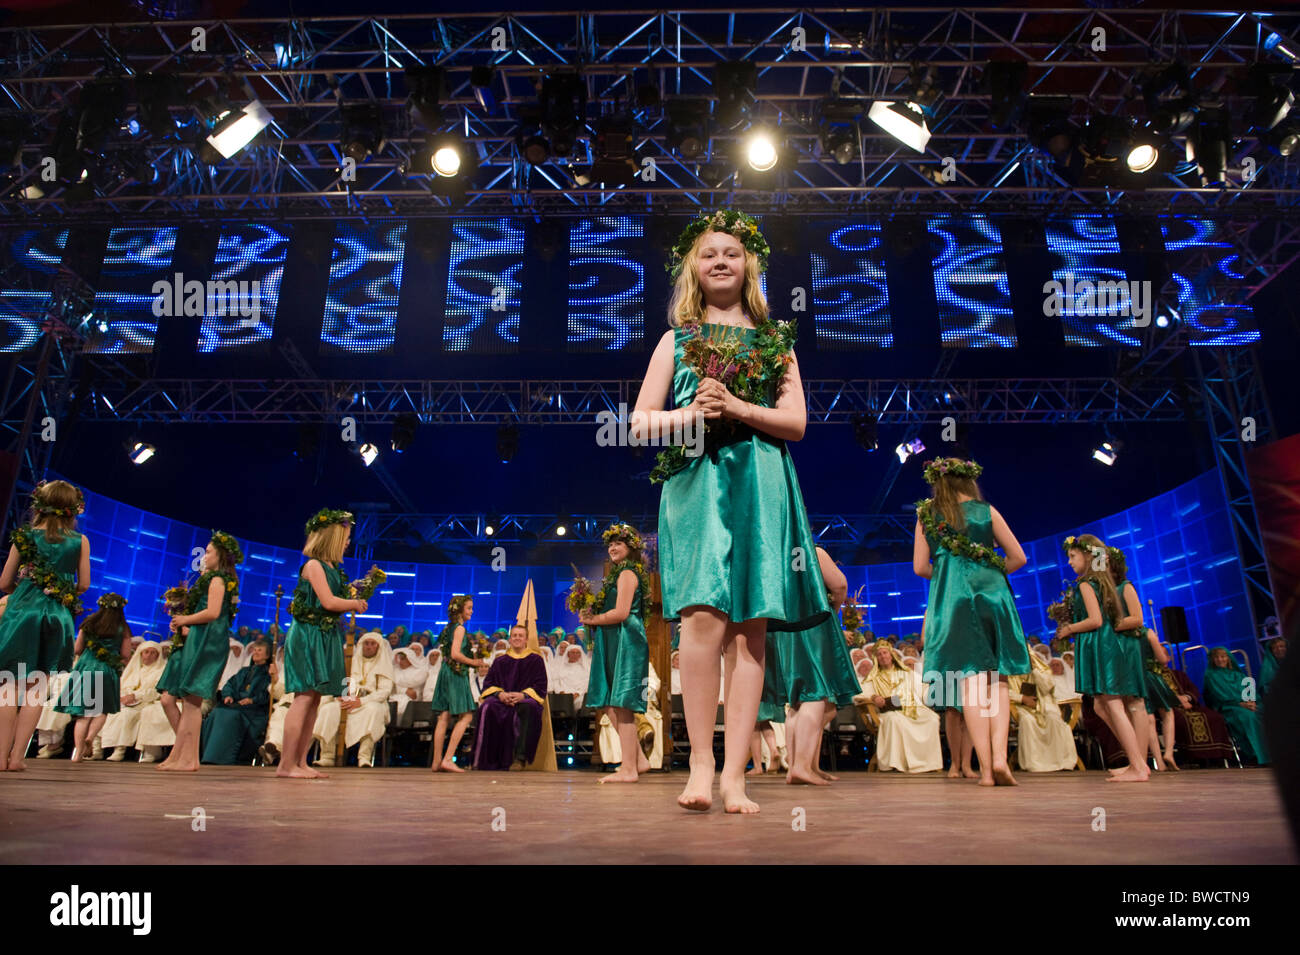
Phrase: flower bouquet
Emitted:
{"points": [[174, 600], [1062, 612], [580, 596], [364, 587], [851, 615]]}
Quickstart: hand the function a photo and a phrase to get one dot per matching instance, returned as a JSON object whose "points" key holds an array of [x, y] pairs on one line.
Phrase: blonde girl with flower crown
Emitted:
{"points": [[737, 558], [47, 570]]}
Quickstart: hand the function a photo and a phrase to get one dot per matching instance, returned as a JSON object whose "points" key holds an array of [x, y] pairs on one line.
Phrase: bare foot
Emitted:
{"points": [[698, 794], [1169, 762], [619, 776], [954, 773], [76, 756], [447, 767], [734, 799], [774, 767], [1002, 776], [987, 780], [642, 765], [829, 777], [298, 772], [969, 773], [1131, 776], [797, 777], [1116, 770], [186, 768], [16, 765], [756, 771]]}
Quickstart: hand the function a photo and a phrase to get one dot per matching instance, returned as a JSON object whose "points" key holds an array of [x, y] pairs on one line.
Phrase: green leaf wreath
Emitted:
{"points": [[110, 655], [36, 568], [938, 529], [300, 609], [611, 581]]}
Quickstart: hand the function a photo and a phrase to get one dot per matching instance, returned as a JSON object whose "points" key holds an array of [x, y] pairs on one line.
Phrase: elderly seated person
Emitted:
{"points": [[409, 677], [907, 739], [138, 683], [510, 711], [237, 724]]}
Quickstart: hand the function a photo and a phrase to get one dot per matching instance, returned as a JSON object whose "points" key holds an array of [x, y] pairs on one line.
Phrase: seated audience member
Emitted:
{"points": [[138, 683], [510, 711], [1225, 691], [236, 726], [1044, 741], [907, 739]]}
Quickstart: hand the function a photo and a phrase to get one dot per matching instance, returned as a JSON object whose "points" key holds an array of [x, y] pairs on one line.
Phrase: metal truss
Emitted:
{"points": [[304, 71], [592, 403], [1235, 400]]}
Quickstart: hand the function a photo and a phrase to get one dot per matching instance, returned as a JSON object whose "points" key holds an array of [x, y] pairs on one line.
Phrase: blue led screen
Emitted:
{"points": [[1094, 302], [135, 258], [364, 284], [606, 309], [970, 284], [31, 257], [252, 256], [483, 290], [850, 293]]}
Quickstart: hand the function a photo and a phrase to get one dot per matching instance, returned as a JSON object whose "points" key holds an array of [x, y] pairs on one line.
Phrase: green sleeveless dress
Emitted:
{"points": [[196, 668], [1158, 694], [453, 693], [313, 648], [1105, 662], [729, 523], [620, 659], [771, 705], [972, 625], [94, 686], [37, 631], [815, 665]]}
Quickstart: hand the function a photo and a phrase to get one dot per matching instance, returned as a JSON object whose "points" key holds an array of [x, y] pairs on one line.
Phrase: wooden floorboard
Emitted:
{"points": [[92, 813]]}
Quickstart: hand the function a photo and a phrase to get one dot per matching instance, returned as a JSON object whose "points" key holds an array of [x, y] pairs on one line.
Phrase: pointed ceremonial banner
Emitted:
{"points": [[544, 761]]}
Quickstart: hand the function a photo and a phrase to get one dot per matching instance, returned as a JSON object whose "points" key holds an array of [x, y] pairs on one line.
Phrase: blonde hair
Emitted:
{"points": [[687, 302], [946, 489], [1089, 545], [326, 544], [58, 494]]}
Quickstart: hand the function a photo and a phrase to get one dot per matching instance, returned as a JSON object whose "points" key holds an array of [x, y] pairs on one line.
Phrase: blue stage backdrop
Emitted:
{"points": [[1179, 547]]}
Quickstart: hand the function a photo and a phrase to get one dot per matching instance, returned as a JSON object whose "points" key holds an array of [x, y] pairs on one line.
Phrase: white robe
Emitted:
{"points": [[409, 678], [234, 664], [123, 727], [372, 681], [431, 681], [906, 744], [611, 749], [50, 720], [1044, 741], [281, 701], [571, 678]]}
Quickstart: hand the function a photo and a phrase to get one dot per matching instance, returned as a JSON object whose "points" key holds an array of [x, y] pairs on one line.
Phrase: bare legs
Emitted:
{"points": [[765, 733], [184, 757], [83, 731], [1167, 724], [987, 712], [634, 761], [298, 725], [803, 730], [1124, 713], [445, 763], [18, 721], [743, 652], [960, 745]]}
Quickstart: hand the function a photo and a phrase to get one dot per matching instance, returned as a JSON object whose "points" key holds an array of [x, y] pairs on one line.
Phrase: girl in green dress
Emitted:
{"points": [[974, 638], [620, 655], [92, 691], [200, 648], [735, 547], [1225, 691], [453, 695], [1108, 664], [47, 569], [313, 648]]}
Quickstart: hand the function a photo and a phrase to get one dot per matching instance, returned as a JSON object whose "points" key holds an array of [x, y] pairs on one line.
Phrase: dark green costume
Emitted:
{"points": [[1223, 691], [453, 693], [1105, 662], [620, 657], [313, 649], [94, 686], [36, 630], [196, 667], [233, 731]]}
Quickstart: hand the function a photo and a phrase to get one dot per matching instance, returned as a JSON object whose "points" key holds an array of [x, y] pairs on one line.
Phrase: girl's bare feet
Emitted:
{"points": [[955, 772], [619, 776], [698, 794], [1131, 775], [642, 764], [734, 798], [1002, 776], [300, 772], [797, 777], [829, 777], [756, 771], [1169, 762], [450, 767], [970, 773]]}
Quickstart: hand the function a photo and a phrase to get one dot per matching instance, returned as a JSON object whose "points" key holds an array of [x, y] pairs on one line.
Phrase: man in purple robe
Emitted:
{"points": [[510, 711]]}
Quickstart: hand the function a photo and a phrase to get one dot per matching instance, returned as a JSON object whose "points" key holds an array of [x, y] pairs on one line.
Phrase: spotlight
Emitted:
{"points": [[404, 426], [1050, 127], [368, 453], [840, 135], [138, 451], [908, 448], [446, 161], [1272, 101], [1207, 146], [563, 104], [1142, 157], [1169, 97], [614, 160], [1106, 453], [760, 150], [450, 156], [687, 132], [904, 121], [1274, 44], [1163, 321], [491, 524], [507, 442], [1005, 84], [363, 131], [561, 527], [864, 430], [480, 78], [735, 84], [234, 129], [1283, 138], [426, 84], [536, 150], [157, 93]]}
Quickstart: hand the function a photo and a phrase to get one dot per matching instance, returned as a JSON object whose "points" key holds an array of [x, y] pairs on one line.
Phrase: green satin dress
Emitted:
{"points": [[195, 669], [453, 693], [731, 520], [1158, 695], [37, 631], [1105, 662], [771, 705], [313, 648], [972, 625], [620, 659], [94, 686], [815, 665]]}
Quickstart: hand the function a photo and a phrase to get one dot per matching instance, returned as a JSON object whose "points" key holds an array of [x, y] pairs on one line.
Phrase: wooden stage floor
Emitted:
{"points": [[94, 813]]}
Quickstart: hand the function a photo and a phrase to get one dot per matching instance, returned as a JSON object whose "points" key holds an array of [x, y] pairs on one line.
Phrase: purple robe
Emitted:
{"points": [[507, 733]]}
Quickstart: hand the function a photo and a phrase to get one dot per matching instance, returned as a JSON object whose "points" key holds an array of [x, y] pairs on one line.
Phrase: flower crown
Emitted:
{"points": [[731, 221], [111, 601], [951, 467], [457, 604], [1071, 543], [622, 532], [228, 545], [49, 510], [325, 517]]}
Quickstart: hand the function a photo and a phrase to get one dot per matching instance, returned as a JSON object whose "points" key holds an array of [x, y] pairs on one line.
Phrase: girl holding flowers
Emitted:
{"points": [[453, 695], [973, 633], [200, 645], [620, 655], [313, 648], [92, 692], [736, 553], [47, 570], [1107, 663]]}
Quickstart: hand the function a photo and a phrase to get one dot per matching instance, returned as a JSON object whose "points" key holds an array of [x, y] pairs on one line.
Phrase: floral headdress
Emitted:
{"points": [[111, 601], [227, 544], [457, 605], [625, 533], [732, 221], [325, 517], [1071, 543], [49, 510], [951, 467], [1114, 554]]}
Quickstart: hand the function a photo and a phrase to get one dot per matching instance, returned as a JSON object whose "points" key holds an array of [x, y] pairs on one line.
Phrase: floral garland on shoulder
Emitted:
{"points": [[197, 592], [611, 580], [938, 529], [35, 567], [106, 654], [299, 608]]}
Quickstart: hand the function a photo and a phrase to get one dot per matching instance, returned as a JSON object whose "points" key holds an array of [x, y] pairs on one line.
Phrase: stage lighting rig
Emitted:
{"points": [[735, 84], [563, 104], [427, 88], [839, 133], [865, 430], [687, 128], [905, 119], [363, 131], [404, 426]]}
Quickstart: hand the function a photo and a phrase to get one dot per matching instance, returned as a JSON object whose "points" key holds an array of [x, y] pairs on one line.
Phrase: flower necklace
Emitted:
{"points": [[38, 569], [749, 369], [611, 580], [940, 530], [110, 655], [301, 609], [200, 590]]}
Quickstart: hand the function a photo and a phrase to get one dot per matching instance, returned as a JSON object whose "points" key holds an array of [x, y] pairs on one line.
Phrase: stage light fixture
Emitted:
{"points": [[908, 448], [1283, 138], [404, 426], [1005, 84], [735, 84], [1106, 453], [232, 129], [561, 527], [1162, 320], [1207, 146], [1170, 99], [839, 133], [536, 150], [563, 104], [158, 93], [905, 119], [1275, 44], [480, 79], [1142, 157], [687, 128], [1272, 100], [760, 150], [614, 160], [507, 442], [368, 453], [138, 451], [865, 428], [491, 524], [426, 85], [446, 161], [451, 157], [363, 131]]}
